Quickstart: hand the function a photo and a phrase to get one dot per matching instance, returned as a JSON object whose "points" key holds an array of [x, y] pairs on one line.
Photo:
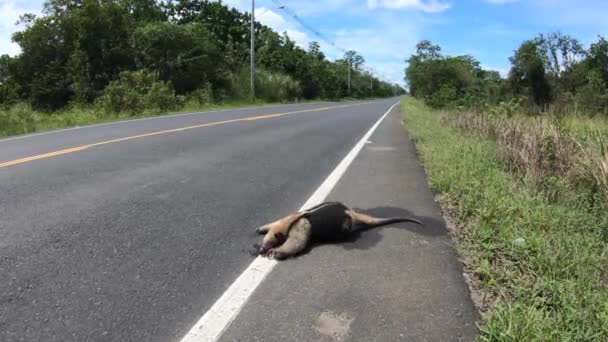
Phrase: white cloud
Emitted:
{"points": [[241, 5], [386, 53], [431, 6], [9, 14], [390, 71], [270, 18], [503, 71], [274, 20], [314, 8]]}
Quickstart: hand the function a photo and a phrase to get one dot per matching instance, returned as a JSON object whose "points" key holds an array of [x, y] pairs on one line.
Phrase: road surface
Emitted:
{"points": [[131, 231]]}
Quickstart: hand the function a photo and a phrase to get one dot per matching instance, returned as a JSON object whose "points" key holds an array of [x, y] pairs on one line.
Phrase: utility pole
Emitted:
{"points": [[252, 52], [371, 83], [349, 77]]}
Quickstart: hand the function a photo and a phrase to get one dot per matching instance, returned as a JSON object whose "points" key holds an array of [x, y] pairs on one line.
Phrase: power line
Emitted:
{"points": [[308, 27], [291, 13]]}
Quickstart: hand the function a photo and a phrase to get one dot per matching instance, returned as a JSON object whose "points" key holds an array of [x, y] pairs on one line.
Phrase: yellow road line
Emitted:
{"points": [[84, 147]]}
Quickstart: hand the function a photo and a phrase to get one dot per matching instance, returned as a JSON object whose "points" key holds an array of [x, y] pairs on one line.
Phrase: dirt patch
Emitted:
{"points": [[382, 148], [334, 325]]}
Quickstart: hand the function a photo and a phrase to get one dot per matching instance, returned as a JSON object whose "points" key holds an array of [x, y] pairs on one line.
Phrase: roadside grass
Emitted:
{"points": [[580, 125], [22, 119], [537, 264]]}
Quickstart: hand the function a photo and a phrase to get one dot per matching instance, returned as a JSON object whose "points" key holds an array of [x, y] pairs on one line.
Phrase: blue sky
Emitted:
{"points": [[385, 32]]}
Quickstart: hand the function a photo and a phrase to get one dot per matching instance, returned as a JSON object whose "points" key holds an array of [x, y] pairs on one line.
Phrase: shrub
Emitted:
{"points": [[203, 96], [593, 96], [507, 108], [275, 87], [269, 86], [18, 119], [446, 94], [138, 91]]}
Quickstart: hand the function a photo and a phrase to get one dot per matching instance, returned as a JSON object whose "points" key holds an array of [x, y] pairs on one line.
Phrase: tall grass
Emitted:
{"points": [[537, 264], [18, 119], [269, 86], [542, 149], [140, 94]]}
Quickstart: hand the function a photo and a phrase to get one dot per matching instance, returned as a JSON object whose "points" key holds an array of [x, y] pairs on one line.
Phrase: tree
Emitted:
{"points": [[355, 59], [8, 88], [598, 58], [527, 75], [5, 62], [425, 51], [561, 54], [314, 49], [419, 63], [43, 75], [102, 48], [593, 96], [442, 80], [182, 54]]}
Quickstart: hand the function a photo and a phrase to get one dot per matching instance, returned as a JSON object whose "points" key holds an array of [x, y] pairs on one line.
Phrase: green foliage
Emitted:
{"points": [[598, 57], [446, 81], [593, 96], [527, 75], [182, 54], [275, 87], [561, 54], [354, 58], [19, 119], [270, 86], [138, 91], [8, 89], [550, 72], [506, 108], [204, 95]]}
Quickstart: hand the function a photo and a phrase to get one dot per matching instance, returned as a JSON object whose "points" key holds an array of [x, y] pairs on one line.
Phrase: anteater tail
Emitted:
{"points": [[373, 222]]}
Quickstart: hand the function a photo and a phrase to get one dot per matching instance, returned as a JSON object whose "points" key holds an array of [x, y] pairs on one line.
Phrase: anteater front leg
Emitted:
{"points": [[297, 239]]}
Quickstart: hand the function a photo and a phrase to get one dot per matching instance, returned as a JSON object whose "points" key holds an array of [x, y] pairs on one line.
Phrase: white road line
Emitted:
{"points": [[151, 118], [224, 310]]}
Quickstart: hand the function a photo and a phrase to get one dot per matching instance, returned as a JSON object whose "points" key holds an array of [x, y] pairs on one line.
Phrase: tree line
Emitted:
{"points": [[551, 72], [128, 55]]}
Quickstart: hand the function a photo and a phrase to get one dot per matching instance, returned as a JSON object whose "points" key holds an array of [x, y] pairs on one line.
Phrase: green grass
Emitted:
{"points": [[541, 266], [580, 125], [21, 118]]}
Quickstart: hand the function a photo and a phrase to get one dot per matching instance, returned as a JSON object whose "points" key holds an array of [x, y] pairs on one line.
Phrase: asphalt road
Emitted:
{"points": [[112, 233]]}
